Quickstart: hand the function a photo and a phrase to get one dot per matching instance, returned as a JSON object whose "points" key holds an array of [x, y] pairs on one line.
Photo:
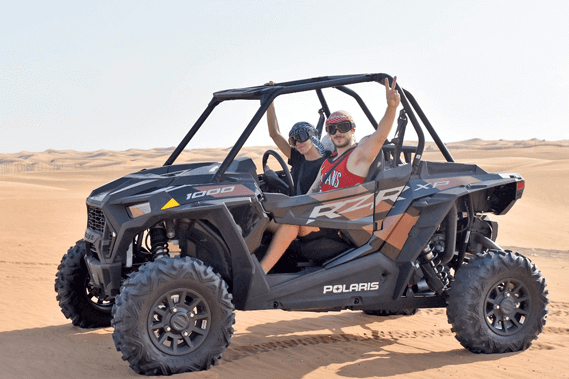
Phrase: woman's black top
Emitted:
{"points": [[303, 172]]}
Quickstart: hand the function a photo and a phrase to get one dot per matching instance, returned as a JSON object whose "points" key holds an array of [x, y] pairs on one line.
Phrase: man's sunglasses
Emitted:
{"points": [[343, 127], [299, 137]]}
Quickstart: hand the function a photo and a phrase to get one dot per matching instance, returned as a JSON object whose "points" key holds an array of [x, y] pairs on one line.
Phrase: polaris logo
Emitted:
{"points": [[354, 287]]}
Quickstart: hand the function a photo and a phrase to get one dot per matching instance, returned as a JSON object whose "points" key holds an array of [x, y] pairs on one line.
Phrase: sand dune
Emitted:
{"points": [[43, 213]]}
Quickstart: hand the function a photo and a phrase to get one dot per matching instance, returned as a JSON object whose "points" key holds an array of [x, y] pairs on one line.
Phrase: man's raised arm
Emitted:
{"points": [[367, 150]]}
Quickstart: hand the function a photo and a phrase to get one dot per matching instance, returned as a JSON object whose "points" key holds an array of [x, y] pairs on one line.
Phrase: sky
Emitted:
{"points": [[116, 75]]}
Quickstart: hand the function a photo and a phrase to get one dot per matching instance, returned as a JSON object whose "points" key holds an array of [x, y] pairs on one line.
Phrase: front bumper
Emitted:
{"points": [[105, 276]]}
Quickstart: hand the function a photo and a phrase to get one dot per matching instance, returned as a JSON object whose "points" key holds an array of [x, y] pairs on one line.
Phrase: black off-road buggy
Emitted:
{"points": [[169, 253]]}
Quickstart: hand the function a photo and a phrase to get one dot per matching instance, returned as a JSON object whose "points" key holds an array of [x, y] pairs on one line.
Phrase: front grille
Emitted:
{"points": [[95, 219]]}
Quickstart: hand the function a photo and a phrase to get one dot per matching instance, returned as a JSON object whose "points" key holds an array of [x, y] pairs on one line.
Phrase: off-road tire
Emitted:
{"points": [[399, 312], [78, 301], [162, 301], [498, 303]]}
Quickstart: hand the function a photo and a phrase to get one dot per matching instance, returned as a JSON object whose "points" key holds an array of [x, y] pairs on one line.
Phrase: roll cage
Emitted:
{"points": [[267, 94]]}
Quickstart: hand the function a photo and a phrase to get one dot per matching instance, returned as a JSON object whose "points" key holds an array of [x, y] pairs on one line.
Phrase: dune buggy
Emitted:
{"points": [[170, 252]]}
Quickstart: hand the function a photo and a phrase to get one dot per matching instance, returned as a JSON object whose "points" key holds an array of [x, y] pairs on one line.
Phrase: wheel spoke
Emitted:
{"points": [[189, 341], [495, 321], [516, 288], [523, 298], [162, 338], [169, 302], [159, 324], [516, 322], [160, 311], [197, 330], [522, 311], [504, 326], [201, 316], [182, 298], [507, 286], [194, 303], [500, 288]]}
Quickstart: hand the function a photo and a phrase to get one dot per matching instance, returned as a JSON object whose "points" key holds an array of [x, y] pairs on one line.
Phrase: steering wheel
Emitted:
{"points": [[273, 179]]}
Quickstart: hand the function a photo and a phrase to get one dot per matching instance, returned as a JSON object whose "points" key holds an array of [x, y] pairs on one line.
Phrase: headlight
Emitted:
{"points": [[138, 210]]}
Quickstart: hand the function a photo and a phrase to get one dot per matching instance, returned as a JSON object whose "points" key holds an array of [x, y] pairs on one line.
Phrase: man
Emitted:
{"points": [[352, 170]]}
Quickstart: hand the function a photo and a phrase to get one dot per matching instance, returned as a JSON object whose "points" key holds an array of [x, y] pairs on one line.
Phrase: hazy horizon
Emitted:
{"points": [[121, 75]]}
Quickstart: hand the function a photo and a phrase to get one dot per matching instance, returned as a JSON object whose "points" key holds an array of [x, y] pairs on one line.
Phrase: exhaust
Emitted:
{"points": [[486, 242]]}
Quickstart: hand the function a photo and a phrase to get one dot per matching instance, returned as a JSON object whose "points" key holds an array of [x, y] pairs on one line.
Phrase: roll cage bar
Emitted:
{"points": [[266, 94]]}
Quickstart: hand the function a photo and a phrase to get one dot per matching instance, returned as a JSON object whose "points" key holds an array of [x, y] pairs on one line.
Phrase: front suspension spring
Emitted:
{"points": [[159, 241]]}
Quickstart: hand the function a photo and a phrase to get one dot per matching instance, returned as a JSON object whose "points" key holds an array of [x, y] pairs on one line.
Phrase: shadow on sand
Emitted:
{"points": [[66, 351]]}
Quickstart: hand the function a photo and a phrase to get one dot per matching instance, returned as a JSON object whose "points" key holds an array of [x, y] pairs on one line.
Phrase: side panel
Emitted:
{"points": [[366, 281], [347, 208]]}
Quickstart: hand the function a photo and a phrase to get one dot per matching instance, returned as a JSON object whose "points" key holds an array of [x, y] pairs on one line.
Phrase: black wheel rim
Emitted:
{"points": [[507, 307], [94, 297], [179, 321]]}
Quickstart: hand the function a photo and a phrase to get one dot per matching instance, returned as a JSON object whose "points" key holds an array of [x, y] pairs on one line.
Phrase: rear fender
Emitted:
{"points": [[431, 212]]}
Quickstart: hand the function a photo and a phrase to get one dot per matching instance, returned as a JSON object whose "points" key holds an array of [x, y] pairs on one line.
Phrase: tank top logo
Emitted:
{"points": [[340, 177], [334, 179]]}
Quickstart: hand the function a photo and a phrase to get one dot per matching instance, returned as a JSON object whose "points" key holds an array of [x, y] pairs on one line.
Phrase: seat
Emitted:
{"points": [[377, 165], [322, 245]]}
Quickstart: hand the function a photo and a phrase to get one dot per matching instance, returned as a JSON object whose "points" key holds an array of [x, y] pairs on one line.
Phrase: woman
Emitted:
{"points": [[304, 152]]}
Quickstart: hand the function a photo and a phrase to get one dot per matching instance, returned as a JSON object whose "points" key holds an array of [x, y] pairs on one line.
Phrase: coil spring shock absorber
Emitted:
{"points": [[435, 273], [158, 241]]}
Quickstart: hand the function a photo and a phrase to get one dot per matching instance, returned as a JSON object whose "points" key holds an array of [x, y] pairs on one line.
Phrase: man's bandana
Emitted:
{"points": [[340, 116]]}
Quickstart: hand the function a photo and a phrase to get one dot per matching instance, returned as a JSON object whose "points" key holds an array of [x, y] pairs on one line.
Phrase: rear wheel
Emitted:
{"points": [[173, 315], [78, 300], [498, 303]]}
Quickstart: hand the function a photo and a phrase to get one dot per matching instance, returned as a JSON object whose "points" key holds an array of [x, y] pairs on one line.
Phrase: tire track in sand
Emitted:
{"points": [[557, 309], [238, 353], [28, 263]]}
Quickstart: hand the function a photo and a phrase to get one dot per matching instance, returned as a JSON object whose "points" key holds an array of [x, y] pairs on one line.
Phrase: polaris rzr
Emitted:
{"points": [[169, 253]]}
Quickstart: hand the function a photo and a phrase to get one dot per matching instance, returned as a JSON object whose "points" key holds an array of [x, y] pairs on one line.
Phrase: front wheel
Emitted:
{"points": [[173, 315], [78, 299], [498, 303]]}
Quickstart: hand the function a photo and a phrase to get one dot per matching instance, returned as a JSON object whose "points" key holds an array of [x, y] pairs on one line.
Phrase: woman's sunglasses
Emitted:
{"points": [[343, 127], [299, 137]]}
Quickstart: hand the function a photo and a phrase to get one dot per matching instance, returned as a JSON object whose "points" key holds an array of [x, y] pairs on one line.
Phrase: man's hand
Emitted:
{"points": [[391, 93]]}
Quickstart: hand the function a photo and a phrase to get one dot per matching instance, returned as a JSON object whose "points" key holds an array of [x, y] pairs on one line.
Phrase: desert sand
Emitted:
{"points": [[42, 208]]}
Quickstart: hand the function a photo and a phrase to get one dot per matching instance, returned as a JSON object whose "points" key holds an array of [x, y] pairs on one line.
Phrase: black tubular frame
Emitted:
{"points": [[266, 94]]}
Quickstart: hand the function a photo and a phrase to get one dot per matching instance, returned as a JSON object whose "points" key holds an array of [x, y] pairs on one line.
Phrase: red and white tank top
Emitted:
{"points": [[340, 177]]}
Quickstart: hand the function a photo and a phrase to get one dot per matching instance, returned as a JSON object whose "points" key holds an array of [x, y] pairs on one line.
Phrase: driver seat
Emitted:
{"points": [[320, 246]]}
